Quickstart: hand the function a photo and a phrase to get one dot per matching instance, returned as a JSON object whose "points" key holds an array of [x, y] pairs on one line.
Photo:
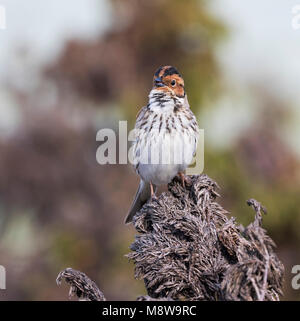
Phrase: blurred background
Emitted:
{"points": [[68, 69]]}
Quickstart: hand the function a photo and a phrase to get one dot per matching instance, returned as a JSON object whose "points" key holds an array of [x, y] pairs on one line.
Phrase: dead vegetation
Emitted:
{"points": [[188, 249]]}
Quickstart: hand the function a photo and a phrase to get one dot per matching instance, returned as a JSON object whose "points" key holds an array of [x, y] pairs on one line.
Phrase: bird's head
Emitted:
{"points": [[168, 80]]}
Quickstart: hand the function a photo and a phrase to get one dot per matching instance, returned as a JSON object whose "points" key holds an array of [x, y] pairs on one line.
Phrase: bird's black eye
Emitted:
{"points": [[173, 82]]}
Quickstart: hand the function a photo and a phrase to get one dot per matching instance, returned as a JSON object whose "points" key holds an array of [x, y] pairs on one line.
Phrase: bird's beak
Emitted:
{"points": [[158, 82]]}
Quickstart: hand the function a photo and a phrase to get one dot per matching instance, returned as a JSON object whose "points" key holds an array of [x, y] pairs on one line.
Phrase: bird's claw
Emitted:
{"points": [[184, 179]]}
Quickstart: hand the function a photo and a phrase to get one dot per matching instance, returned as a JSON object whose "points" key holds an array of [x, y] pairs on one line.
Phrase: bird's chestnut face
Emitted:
{"points": [[168, 79]]}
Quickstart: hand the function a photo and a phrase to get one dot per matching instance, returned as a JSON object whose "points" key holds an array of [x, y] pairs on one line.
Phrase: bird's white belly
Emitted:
{"points": [[165, 155], [158, 174]]}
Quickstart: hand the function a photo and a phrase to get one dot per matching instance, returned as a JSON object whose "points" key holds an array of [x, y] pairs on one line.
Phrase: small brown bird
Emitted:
{"points": [[166, 133]]}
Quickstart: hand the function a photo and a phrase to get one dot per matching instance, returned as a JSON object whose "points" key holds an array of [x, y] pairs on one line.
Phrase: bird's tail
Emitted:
{"points": [[142, 195]]}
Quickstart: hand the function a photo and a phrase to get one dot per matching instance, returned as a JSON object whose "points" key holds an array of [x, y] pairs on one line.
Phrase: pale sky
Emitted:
{"points": [[263, 42], [263, 47], [45, 25]]}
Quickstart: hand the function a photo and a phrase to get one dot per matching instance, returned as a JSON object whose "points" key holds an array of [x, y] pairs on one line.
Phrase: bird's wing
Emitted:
{"points": [[140, 115], [136, 143]]}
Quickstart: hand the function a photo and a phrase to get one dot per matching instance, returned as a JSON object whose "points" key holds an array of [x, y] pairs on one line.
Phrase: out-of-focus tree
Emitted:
{"points": [[144, 35]]}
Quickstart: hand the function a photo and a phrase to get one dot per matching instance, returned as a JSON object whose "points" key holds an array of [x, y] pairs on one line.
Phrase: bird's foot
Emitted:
{"points": [[184, 179], [153, 196]]}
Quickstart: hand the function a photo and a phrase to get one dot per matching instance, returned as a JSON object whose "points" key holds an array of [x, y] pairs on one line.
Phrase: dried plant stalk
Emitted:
{"points": [[80, 285], [188, 249]]}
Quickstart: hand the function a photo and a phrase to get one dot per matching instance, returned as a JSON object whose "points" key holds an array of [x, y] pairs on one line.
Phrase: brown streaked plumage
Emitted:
{"points": [[166, 128]]}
